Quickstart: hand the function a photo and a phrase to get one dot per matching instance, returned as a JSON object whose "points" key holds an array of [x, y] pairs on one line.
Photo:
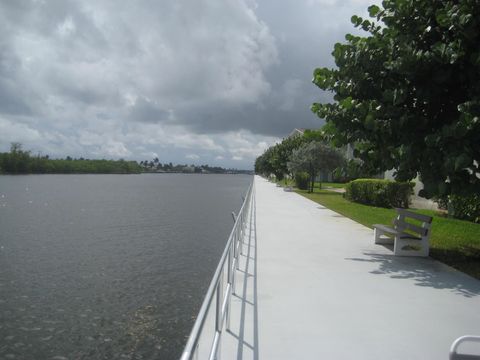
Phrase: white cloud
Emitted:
{"points": [[192, 156], [345, 3], [114, 149], [10, 130], [187, 140], [290, 90], [218, 79], [246, 146], [67, 27]]}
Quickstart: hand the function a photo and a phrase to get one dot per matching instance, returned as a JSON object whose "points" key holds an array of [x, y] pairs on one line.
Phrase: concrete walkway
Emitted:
{"points": [[313, 285]]}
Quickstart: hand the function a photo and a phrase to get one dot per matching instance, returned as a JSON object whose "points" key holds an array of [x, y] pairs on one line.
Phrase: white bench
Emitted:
{"points": [[408, 239]]}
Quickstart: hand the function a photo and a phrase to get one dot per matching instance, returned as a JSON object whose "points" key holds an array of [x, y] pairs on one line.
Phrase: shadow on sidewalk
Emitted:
{"points": [[424, 271], [244, 316]]}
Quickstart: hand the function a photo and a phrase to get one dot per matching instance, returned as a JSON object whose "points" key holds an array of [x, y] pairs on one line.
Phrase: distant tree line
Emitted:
{"points": [[19, 161], [156, 166], [311, 152]]}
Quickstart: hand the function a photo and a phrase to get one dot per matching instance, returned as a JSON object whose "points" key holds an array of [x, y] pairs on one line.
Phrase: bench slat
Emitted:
{"points": [[409, 236], [386, 228], [415, 228], [410, 214]]}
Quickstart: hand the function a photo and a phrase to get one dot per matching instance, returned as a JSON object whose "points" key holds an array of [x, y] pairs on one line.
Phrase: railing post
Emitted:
{"points": [[234, 266], [230, 282], [230, 261], [235, 245], [239, 241], [218, 322], [242, 232]]}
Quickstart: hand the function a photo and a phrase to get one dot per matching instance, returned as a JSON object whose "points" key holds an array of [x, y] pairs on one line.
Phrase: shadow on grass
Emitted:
{"points": [[465, 258], [425, 272]]}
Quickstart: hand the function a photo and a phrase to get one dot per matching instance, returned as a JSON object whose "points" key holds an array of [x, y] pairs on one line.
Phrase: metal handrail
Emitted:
{"points": [[222, 307], [454, 355]]}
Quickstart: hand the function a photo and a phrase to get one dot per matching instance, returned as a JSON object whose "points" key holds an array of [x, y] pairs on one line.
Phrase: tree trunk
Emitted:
{"points": [[312, 179]]}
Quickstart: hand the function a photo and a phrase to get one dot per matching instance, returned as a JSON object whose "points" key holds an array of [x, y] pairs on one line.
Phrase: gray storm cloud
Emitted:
{"points": [[219, 79]]}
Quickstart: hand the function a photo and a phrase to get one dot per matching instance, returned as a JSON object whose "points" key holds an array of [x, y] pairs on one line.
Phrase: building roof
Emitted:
{"points": [[296, 132]]}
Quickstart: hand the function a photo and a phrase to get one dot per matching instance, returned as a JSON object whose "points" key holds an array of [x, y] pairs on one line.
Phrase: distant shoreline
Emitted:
{"points": [[241, 172], [22, 162]]}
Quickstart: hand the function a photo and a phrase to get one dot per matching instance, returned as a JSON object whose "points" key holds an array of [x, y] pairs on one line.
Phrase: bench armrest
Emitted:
{"points": [[386, 229]]}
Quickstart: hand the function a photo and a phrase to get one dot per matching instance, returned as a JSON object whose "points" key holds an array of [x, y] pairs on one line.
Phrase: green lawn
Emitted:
{"points": [[291, 182], [333, 185], [454, 242]]}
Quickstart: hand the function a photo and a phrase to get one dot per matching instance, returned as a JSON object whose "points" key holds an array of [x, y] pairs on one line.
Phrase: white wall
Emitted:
{"points": [[418, 184]]}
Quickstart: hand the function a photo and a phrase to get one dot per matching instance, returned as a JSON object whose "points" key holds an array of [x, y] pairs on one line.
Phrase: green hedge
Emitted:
{"points": [[301, 180], [465, 208], [377, 192]]}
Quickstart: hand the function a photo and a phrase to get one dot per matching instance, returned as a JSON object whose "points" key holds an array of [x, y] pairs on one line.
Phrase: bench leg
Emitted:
{"points": [[399, 244], [397, 247], [377, 233]]}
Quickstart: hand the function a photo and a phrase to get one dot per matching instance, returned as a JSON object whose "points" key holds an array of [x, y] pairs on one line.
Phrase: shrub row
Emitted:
{"points": [[465, 208], [377, 192], [301, 180]]}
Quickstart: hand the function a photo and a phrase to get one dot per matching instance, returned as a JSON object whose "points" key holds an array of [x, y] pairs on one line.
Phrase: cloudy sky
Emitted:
{"points": [[189, 81]]}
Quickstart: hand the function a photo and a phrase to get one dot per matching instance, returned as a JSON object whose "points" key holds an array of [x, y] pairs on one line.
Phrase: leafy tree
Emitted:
{"points": [[18, 160], [264, 163], [314, 135], [282, 153], [408, 94], [275, 159], [352, 169], [313, 157]]}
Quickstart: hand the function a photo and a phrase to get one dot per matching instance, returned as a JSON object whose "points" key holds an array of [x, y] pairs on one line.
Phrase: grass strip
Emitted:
{"points": [[333, 185], [453, 242], [291, 182]]}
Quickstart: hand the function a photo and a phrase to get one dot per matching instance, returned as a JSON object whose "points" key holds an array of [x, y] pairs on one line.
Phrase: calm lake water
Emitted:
{"points": [[108, 266]]}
